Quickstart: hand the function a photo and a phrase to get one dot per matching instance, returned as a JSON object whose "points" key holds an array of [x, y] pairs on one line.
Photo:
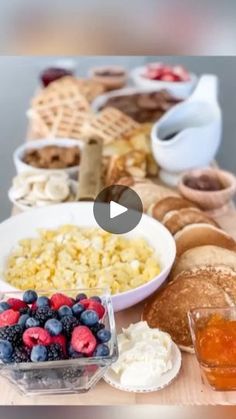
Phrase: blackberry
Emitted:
{"points": [[94, 329], [12, 334], [68, 324], [25, 310], [71, 375], [21, 354], [55, 352], [43, 314]]}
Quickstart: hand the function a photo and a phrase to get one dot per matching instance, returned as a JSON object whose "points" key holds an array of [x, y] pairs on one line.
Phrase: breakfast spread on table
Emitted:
{"points": [[180, 263]]}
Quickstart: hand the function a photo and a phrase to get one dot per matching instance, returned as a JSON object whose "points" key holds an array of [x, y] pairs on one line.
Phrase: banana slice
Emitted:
{"points": [[57, 189], [36, 178], [38, 190], [20, 191]]}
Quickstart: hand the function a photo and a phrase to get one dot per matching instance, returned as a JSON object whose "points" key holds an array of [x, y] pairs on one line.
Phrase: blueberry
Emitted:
{"points": [[22, 320], [77, 309], [101, 350], [4, 306], [80, 297], [32, 322], [39, 353], [96, 298], [65, 311], [53, 326], [89, 317], [30, 296], [43, 301], [6, 350], [74, 354], [104, 335]]}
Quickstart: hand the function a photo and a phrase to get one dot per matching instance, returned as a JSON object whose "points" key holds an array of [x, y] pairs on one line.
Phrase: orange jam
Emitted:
{"points": [[216, 347]]}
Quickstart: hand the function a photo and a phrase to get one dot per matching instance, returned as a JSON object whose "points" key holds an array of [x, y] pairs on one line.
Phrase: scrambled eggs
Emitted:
{"points": [[73, 257]]}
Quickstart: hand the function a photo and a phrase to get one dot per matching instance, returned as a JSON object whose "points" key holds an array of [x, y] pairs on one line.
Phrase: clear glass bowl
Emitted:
{"points": [[214, 342], [66, 376]]}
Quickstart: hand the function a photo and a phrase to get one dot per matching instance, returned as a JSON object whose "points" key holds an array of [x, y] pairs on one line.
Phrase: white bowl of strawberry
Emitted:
{"points": [[176, 79], [56, 342]]}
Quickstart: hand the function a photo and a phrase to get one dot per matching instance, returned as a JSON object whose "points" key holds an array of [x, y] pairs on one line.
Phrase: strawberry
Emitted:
{"points": [[58, 300], [93, 305], [9, 317], [16, 304], [36, 336], [83, 340], [168, 77], [60, 340]]}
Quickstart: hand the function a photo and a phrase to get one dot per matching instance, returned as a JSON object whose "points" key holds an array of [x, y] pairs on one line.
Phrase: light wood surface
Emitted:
{"points": [[186, 390]]}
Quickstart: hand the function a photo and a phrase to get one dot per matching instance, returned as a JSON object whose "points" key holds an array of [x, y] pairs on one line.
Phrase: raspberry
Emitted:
{"points": [[9, 317], [12, 334], [58, 300], [83, 340], [60, 340], [44, 313], [55, 352], [68, 324], [16, 304], [36, 336], [93, 305], [21, 354]]}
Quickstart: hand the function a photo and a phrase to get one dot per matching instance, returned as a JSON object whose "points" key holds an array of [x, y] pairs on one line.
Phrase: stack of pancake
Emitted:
{"points": [[204, 273]]}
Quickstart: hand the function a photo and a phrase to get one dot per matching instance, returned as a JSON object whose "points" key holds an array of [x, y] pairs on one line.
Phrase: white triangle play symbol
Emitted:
{"points": [[116, 209]]}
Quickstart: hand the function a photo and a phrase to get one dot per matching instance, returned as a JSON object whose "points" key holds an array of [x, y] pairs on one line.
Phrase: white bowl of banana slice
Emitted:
{"points": [[33, 189]]}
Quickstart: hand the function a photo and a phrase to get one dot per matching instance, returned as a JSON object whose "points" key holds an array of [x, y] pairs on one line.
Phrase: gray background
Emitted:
{"points": [[19, 78]]}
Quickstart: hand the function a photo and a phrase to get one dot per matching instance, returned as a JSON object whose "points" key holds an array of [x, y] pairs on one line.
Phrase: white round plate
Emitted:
{"points": [[166, 379]]}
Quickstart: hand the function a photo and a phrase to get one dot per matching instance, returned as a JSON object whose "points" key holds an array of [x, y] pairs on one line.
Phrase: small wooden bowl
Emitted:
{"points": [[212, 201], [112, 82]]}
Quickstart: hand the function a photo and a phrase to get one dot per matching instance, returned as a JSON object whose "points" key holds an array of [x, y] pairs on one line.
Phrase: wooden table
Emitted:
{"points": [[186, 390]]}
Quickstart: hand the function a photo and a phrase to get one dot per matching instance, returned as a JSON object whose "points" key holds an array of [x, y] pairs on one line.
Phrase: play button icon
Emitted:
{"points": [[117, 209]]}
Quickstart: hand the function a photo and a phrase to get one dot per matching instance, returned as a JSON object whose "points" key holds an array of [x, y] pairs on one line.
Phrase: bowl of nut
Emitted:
{"points": [[62, 154], [56, 342]]}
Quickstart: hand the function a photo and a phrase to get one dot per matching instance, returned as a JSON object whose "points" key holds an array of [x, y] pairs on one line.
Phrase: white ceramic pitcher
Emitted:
{"points": [[194, 128]]}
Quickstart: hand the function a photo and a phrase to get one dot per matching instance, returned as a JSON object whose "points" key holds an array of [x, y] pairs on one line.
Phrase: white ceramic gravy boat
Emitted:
{"points": [[194, 128]]}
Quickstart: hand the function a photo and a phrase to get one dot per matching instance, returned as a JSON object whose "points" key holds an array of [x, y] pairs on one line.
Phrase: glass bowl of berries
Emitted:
{"points": [[56, 342]]}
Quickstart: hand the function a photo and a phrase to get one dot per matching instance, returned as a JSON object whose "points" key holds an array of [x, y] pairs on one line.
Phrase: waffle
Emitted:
{"points": [[110, 124], [89, 89], [62, 122]]}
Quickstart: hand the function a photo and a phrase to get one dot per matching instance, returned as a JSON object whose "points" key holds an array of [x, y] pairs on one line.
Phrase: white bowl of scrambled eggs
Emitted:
{"points": [[62, 247]]}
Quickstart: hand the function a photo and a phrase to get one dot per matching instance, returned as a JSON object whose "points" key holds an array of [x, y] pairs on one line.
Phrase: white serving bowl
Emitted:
{"points": [[181, 89], [40, 143], [26, 225]]}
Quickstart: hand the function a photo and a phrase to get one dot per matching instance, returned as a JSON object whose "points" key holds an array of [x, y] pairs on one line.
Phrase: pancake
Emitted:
{"points": [[176, 220], [208, 256], [167, 204], [195, 235], [152, 193], [168, 308], [221, 276]]}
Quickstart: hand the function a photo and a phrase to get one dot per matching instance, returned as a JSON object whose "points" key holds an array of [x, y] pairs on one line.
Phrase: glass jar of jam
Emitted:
{"points": [[214, 338]]}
